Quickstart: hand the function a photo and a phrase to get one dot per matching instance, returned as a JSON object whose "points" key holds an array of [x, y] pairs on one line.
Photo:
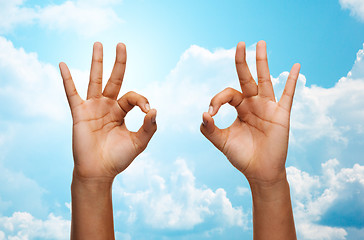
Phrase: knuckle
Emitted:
{"points": [[262, 58], [130, 93], [67, 78], [214, 100], [264, 79], [238, 61], [230, 90], [141, 97], [120, 60], [286, 93], [115, 80], [73, 92], [97, 59], [96, 79], [139, 146]]}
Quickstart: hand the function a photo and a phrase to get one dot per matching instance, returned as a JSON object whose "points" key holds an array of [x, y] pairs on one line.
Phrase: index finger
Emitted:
{"points": [[131, 99], [228, 95]]}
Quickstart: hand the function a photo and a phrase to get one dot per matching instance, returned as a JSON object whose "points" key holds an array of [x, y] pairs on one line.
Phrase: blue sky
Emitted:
{"points": [[180, 54]]}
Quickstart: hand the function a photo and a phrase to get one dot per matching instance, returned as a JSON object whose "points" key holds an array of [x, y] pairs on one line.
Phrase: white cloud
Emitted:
{"points": [[80, 16], [356, 7], [12, 14], [317, 112], [30, 88], [241, 191], [357, 72], [83, 17], [186, 93], [23, 226], [331, 112], [15, 187], [314, 197], [35, 89], [174, 203], [316, 232]]}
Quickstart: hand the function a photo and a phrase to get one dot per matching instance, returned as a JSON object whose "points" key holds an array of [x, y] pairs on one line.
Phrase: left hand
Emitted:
{"points": [[102, 145]]}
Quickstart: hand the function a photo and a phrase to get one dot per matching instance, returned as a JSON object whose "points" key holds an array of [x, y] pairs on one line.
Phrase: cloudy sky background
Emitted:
{"points": [[180, 54]]}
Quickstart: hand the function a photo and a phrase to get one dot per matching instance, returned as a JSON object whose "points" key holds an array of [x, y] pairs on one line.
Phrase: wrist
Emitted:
{"points": [[270, 191], [91, 185]]}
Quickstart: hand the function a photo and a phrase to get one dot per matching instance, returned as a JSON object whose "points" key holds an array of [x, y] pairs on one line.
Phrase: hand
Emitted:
{"points": [[102, 145], [256, 143]]}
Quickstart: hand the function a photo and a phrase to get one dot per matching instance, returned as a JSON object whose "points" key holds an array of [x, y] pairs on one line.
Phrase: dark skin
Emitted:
{"points": [[257, 142], [102, 145]]}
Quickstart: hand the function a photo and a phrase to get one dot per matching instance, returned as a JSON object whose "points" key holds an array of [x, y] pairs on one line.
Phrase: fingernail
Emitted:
{"points": [[210, 110], [204, 122], [147, 106], [154, 119]]}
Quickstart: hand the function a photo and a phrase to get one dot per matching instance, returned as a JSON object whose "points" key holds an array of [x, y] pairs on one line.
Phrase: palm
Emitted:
{"points": [[251, 134], [256, 143], [102, 145], [98, 125]]}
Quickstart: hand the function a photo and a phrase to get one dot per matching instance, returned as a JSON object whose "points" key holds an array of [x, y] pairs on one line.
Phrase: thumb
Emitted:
{"points": [[214, 134], [147, 130]]}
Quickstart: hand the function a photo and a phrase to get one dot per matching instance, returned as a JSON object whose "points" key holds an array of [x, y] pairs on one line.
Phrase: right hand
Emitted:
{"points": [[256, 143]]}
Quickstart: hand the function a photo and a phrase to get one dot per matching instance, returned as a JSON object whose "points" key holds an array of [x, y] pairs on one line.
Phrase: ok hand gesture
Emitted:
{"points": [[102, 145], [256, 143]]}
